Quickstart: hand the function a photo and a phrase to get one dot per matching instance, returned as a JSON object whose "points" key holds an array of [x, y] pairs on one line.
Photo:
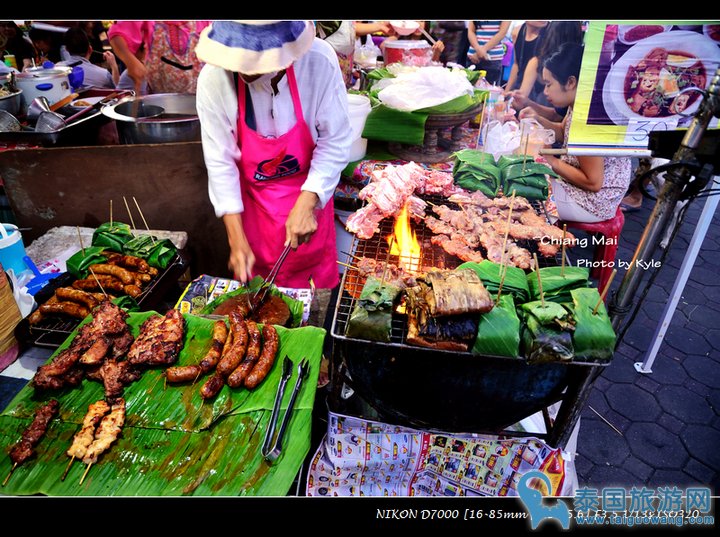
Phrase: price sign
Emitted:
{"points": [[639, 130]]}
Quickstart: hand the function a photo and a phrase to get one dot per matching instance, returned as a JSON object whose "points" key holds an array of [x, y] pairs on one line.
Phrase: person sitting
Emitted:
{"points": [[47, 43], [78, 47], [590, 188], [16, 45]]}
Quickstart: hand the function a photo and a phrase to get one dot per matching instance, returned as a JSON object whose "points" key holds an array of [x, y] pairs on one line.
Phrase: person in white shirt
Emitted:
{"points": [[276, 135], [78, 48]]}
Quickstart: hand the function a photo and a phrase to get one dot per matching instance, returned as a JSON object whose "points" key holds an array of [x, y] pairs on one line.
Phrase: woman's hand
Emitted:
{"points": [[520, 100], [301, 222], [242, 259]]}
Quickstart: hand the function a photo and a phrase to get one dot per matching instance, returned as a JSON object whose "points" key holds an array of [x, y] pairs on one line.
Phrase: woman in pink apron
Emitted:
{"points": [[286, 180]]}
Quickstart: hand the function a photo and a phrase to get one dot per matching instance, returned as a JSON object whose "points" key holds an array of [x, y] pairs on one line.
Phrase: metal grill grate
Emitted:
{"points": [[431, 256], [51, 332]]}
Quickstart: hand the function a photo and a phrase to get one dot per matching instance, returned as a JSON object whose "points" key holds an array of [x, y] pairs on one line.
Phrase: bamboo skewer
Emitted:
{"points": [[132, 220], [351, 255], [607, 288], [527, 139], [80, 239], [9, 474], [387, 261], [537, 271], [482, 118], [507, 228], [143, 219], [345, 265], [503, 269], [98, 282], [67, 469], [111, 220], [562, 262], [606, 421], [86, 472]]}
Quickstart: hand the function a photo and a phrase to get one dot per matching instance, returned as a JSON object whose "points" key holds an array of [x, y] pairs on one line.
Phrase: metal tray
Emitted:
{"points": [[53, 331]]}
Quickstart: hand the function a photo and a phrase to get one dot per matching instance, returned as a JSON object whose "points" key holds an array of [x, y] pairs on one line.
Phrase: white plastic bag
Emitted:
{"points": [[501, 138], [428, 86], [366, 54]]}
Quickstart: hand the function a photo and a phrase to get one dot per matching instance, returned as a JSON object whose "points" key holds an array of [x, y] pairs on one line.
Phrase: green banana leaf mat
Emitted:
{"points": [[172, 443]]}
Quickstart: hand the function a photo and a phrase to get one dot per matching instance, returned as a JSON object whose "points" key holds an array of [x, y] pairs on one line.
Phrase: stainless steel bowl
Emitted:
{"points": [[12, 103], [178, 123]]}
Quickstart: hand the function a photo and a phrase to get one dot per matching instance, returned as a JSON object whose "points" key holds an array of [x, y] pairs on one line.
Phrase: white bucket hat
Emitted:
{"points": [[255, 47]]}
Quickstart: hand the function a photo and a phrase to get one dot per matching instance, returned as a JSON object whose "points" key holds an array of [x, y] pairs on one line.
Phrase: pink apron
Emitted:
{"points": [[272, 172]]}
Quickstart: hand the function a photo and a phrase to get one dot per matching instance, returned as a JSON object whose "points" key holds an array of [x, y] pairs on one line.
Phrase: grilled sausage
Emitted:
{"points": [[213, 386], [129, 262], [70, 309], [132, 290], [232, 358], [108, 283], [76, 295], [120, 273], [220, 337], [237, 377], [141, 278], [271, 342], [187, 373], [37, 315]]}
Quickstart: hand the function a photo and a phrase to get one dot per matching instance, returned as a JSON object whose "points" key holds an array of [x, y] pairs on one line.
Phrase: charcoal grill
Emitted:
{"points": [[53, 331], [445, 390]]}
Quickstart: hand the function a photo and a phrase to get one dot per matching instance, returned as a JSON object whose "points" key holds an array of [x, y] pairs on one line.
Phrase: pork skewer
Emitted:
{"points": [[106, 433], [84, 437], [25, 448]]}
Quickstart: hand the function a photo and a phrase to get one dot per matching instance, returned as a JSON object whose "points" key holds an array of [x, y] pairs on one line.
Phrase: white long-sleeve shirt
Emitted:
{"points": [[324, 103]]}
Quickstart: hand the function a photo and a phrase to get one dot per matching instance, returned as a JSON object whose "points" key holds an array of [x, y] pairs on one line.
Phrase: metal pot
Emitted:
{"points": [[53, 84], [12, 103], [178, 123]]}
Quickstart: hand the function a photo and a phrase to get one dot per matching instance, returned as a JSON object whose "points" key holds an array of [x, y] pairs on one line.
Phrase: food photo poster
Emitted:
{"points": [[638, 77]]}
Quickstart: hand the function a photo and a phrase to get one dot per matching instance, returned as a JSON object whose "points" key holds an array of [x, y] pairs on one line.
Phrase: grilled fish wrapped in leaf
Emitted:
{"points": [[372, 316], [457, 292], [547, 336]]}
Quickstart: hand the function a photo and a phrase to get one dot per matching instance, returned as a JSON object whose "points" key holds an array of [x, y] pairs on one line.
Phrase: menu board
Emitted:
{"points": [[366, 458], [638, 77]]}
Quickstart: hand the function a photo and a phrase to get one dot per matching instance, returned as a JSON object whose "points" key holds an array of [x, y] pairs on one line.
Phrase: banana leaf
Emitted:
{"points": [[479, 159], [173, 443], [546, 314], [490, 273], [159, 253], [372, 316], [594, 337], [390, 125], [112, 236], [556, 288], [296, 306], [518, 169], [78, 264], [499, 330], [457, 105], [508, 160], [542, 344], [532, 187]]}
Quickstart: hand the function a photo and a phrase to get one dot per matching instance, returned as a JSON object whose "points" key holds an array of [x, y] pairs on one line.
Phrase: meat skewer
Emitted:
{"points": [[25, 448], [106, 433], [84, 437]]}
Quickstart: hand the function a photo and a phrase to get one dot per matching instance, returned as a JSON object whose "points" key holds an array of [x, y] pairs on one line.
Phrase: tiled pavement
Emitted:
{"points": [[669, 419]]}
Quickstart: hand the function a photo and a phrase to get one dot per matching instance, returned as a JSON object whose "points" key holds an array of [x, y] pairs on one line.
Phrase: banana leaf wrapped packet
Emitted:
{"points": [[594, 338], [499, 330], [556, 286], [475, 170], [371, 318], [516, 281], [547, 335]]}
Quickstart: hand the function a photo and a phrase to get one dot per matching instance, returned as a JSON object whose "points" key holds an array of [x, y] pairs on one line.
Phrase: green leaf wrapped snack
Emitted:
{"points": [[594, 338], [372, 316], [547, 335], [159, 253], [556, 287], [526, 178], [112, 236], [474, 170], [516, 282], [78, 264], [499, 330]]}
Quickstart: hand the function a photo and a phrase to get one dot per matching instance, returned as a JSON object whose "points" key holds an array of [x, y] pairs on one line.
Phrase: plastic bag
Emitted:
{"points": [[366, 54], [501, 138], [424, 88]]}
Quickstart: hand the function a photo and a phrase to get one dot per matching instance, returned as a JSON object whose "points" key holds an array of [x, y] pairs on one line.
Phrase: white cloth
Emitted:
{"points": [[324, 104], [94, 75], [568, 209]]}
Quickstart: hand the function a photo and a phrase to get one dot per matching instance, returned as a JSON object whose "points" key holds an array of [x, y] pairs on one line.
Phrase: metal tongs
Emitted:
{"points": [[271, 450], [270, 279]]}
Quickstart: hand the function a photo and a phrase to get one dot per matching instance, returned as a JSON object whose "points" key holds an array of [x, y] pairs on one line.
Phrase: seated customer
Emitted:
{"points": [[590, 188], [78, 46]]}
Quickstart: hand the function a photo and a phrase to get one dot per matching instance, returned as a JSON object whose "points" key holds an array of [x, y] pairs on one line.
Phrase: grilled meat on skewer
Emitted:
{"points": [[84, 437], [31, 436], [160, 340], [106, 433]]}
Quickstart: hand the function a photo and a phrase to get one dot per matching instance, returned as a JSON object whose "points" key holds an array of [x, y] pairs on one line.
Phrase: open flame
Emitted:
{"points": [[405, 244]]}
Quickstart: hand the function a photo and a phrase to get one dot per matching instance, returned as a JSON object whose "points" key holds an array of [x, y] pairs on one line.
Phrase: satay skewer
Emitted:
{"points": [[98, 282], [351, 255], [86, 473], [82, 247], [562, 264], [537, 271], [143, 219], [387, 261], [132, 220], [67, 469], [607, 288], [345, 265], [15, 465], [111, 220]]}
